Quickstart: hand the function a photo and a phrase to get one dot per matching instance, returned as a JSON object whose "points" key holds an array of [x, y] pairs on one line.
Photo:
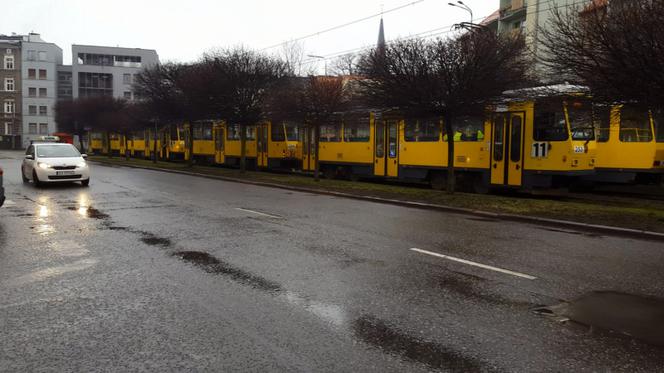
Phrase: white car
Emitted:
{"points": [[54, 162]]}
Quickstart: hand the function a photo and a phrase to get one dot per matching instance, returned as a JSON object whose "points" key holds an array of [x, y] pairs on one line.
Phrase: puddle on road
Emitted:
{"points": [[212, 265], [153, 240], [636, 316], [378, 333], [89, 212]]}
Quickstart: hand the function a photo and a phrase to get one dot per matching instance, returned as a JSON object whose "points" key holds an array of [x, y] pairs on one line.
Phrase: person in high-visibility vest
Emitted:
{"points": [[457, 136]]}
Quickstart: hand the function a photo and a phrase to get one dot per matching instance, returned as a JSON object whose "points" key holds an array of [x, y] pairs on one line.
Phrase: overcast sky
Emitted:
{"points": [[183, 30]]}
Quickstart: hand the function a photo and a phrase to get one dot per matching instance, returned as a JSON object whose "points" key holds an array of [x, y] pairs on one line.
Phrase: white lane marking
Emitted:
{"points": [[480, 265], [9, 202], [258, 213]]}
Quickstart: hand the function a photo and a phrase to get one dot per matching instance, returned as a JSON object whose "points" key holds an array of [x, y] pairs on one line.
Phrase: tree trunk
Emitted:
{"points": [[451, 180], [315, 145], [126, 143], [108, 145], [243, 148], [190, 144], [80, 142], [154, 144]]}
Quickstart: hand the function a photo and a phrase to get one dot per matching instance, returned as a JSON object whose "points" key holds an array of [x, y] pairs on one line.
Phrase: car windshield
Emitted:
{"points": [[57, 151]]}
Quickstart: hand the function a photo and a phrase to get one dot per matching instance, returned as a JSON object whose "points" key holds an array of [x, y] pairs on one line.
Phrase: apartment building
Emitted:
{"points": [[10, 91], [108, 71], [39, 86]]}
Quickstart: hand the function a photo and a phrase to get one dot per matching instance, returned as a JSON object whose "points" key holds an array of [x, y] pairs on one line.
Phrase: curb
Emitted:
{"points": [[595, 228]]}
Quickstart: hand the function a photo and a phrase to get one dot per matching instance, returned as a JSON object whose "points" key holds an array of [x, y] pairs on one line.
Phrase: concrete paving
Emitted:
{"points": [[146, 270]]}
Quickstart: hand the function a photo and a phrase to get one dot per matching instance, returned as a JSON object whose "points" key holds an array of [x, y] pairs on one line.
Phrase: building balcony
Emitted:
{"points": [[517, 10]]}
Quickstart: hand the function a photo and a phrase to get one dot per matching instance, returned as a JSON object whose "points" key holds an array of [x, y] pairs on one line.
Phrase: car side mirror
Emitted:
{"points": [[85, 156], [29, 156]]}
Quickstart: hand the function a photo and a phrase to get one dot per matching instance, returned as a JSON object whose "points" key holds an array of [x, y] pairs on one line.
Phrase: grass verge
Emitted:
{"points": [[614, 211]]}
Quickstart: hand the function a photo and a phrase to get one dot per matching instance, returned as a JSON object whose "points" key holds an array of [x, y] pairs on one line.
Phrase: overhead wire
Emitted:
{"points": [[448, 29], [344, 25]]}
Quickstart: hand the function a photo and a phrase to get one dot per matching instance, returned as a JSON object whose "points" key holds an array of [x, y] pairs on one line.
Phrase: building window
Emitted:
{"points": [[31, 55], [127, 95], [42, 92], [9, 62], [32, 73], [32, 128], [43, 110], [32, 109], [9, 51], [8, 128], [42, 56], [32, 92], [95, 84], [9, 84], [9, 106], [126, 78], [43, 128], [42, 74]]}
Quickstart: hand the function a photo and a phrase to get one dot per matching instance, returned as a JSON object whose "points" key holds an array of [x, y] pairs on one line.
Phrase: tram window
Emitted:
{"points": [[422, 130], [114, 136], [549, 124], [635, 125], [498, 138], [580, 116], [380, 139], [392, 127], [515, 140], [277, 132], [138, 136], [220, 139], [329, 133], [97, 136], [174, 133], [602, 119], [233, 132], [658, 118], [292, 131], [471, 128], [250, 133], [356, 129]]}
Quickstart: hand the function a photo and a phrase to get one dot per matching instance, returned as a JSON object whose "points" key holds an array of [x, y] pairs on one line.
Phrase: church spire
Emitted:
{"points": [[381, 36]]}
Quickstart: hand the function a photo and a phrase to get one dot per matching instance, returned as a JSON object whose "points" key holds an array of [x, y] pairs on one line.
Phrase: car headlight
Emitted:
{"points": [[43, 166], [81, 165]]}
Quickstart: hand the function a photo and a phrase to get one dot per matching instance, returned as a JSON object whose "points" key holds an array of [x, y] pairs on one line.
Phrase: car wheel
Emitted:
{"points": [[25, 179], [85, 182], [35, 179]]}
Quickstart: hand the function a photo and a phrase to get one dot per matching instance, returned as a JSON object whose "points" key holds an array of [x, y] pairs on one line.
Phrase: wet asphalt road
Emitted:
{"points": [[153, 271]]}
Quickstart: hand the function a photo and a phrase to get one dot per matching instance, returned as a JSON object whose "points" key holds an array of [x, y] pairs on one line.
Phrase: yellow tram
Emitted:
{"points": [[627, 148], [174, 139], [268, 145], [203, 141], [96, 143], [136, 144], [543, 141]]}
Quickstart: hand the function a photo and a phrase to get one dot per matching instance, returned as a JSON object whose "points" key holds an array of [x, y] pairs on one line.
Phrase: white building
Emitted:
{"points": [[108, 71], [39, 86]]}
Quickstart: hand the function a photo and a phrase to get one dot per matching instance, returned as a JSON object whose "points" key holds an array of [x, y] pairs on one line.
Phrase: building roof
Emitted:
{"points": [[491, 18]]}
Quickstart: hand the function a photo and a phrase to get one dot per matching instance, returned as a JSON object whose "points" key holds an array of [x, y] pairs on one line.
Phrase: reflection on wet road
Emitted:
{"points": [[153, 271]]}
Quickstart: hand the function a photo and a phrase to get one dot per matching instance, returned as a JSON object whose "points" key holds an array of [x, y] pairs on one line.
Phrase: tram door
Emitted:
{"points": [[261, 144], [386, 151], [219, 133], [507, 149], [308, 155]]}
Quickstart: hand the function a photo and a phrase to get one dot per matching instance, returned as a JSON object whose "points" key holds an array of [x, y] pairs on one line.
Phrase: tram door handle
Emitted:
{"points": [[495, 165], [518, 167]]}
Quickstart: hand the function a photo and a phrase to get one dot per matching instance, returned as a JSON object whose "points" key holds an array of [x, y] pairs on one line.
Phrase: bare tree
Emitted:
{"points": [[346, 64], [444, 78], [615, 48], [239, 80], [314, 100], [292, 53]]}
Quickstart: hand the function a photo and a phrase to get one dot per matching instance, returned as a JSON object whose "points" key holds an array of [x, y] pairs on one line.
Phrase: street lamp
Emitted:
{"points": [[319, 57], [462, 5]]}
